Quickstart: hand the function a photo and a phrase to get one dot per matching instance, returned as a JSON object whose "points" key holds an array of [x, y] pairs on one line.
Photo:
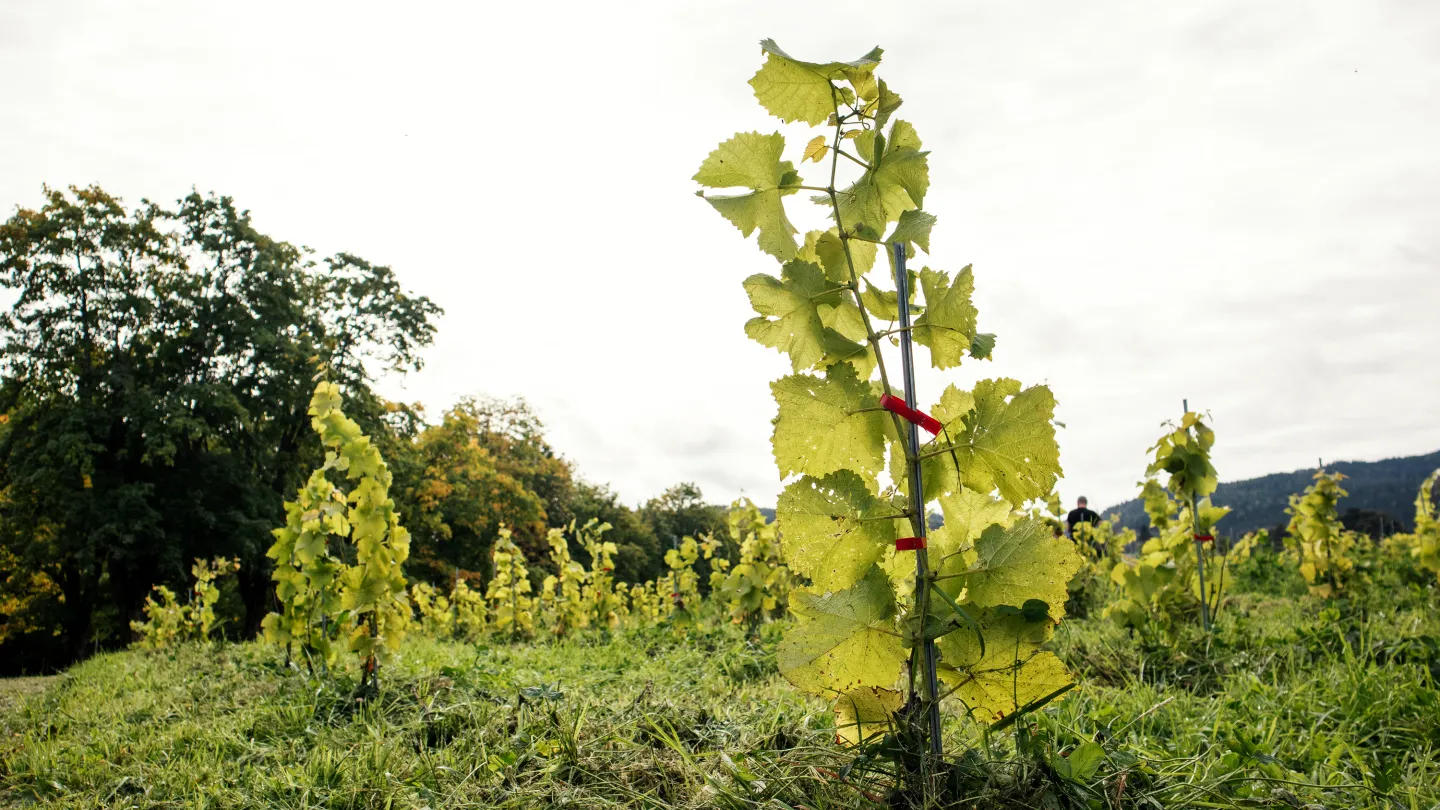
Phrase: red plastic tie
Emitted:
{"points": [[897, 406], [909, 543], [1204, 538]]}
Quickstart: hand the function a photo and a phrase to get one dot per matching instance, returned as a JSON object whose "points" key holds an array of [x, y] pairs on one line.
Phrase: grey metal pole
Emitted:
{"points": [[1199, 549], [918, 518]]}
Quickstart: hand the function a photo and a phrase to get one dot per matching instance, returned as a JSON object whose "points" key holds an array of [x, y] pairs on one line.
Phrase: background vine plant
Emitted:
{"points": [[1426, 549], [995, 578], [758, 585], [512, 606], [1317, 536], [168, 620]]}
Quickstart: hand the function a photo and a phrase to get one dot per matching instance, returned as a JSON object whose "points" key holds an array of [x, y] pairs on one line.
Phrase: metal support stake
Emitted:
{"points": [[1199, 549], [918, 518]]}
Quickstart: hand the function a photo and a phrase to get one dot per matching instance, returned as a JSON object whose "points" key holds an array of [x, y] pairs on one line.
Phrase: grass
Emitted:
{"points": [[1289, 704]]}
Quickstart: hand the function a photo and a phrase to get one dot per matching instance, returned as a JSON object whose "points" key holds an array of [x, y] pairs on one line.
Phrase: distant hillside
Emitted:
{"points": [[1387, 487]]}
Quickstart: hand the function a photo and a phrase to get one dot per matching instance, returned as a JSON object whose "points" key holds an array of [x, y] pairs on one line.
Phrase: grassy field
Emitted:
{"points": [[1289, 704]]}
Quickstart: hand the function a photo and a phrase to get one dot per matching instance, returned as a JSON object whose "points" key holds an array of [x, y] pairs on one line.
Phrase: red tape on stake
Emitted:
{"points": [[909, 543], [1204, 538], [898, 407]]}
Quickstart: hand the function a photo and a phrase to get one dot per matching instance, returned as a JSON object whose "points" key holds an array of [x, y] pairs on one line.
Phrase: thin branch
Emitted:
{"points": [[854, 159]]}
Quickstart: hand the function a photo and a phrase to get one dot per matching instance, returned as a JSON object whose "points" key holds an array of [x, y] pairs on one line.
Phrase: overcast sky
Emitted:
{"points": [[1234, 202]]}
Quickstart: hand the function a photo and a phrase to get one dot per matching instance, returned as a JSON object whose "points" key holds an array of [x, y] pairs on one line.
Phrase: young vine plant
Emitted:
{"points": [[169, 621], [759, 584], [683, 582], [562, 594], [1181, 568], [996, 580], [512, 606], [1317, 536], [1427, 527], [327, 605]]}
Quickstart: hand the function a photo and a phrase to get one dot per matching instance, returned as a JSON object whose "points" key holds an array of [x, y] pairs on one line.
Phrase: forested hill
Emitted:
{"points": [[1387, 487]]}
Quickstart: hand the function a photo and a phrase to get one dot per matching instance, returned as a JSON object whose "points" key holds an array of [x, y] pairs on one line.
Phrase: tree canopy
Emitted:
{"points": [[155, 371]]}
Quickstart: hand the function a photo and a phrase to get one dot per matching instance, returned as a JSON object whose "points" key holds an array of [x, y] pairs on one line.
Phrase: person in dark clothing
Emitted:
{"points": [[1080, 514]]}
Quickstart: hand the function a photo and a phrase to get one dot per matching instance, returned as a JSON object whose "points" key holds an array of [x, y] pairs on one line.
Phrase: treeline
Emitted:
{"points": [[156, 367]]}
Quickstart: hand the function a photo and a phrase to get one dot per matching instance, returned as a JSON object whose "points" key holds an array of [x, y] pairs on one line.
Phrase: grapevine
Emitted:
{"points": [[991, 583], [168, 621], [1161, 586], [684, 583], [509, 594], [759, 584], [1427, 527], [561, 593], [469, 606], [1101, 547], [646, 603], [437, 616], [1184, 455], [1315, 533], [603, 603], [362, 606]]}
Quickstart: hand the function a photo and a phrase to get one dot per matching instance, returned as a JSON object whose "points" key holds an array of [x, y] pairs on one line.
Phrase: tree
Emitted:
{"points": [[515, 437], [156, 371], [457, 495]]}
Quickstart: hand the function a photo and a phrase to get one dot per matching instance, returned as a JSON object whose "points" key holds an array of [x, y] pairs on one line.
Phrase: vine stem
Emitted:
{"points": [[926, 649], [1195, 535]]}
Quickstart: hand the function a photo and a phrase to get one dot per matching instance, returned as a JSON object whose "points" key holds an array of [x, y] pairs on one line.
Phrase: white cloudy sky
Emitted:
{"points": [[1234, 202]]}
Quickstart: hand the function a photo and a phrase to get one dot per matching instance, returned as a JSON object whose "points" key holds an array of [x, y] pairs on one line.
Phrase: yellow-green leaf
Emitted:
{"points": [[896, 182], [823, 425], [816, 150], [864, 714], [833, 528], [1023, 561], [1011, 672], [751, 160], [947, 326], [790, 313], [792, 90], [844, 640]]}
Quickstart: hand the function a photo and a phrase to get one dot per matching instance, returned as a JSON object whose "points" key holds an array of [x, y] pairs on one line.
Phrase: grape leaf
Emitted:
{"points": [[1021, 562], [941, 473], [833, 528], [751, 160], [1010, 673], [883, 105], [1006, 443], [982, 345], [863, 80], [947, 326], [792, 90], [825, 249], [884, 303], [362, 589], [912, 229], [791, 318], [844, 321], [820, 428], [895, 182], [844, 640], [967, 515], [815, 150], [864, 714]]}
